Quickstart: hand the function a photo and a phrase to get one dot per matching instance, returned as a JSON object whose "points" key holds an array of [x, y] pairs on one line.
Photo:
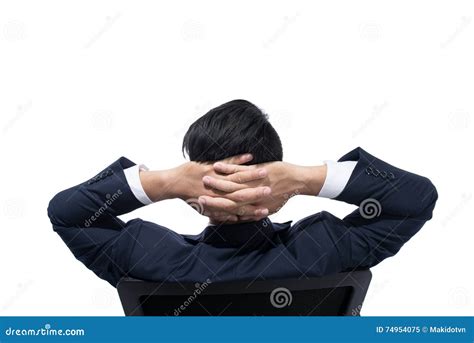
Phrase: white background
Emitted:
{"points": [[84, 83]]}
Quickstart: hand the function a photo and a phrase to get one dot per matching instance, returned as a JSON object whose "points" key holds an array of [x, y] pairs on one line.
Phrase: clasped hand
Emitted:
{"points": [[228, 191]]}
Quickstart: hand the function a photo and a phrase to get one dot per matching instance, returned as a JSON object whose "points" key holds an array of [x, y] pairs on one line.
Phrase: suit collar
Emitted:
{"points": [[244, 236]]}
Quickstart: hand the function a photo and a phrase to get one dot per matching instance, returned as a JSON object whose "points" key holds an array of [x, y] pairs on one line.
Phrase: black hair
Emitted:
{"points": [[233, 128]]}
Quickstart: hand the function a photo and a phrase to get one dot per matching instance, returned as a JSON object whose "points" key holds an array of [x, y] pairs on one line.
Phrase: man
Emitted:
{"points": [[237, 178]]}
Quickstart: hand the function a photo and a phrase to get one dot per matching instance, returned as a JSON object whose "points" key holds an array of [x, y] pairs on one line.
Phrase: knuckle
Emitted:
{"points": [[229, 207], [239, 197]]}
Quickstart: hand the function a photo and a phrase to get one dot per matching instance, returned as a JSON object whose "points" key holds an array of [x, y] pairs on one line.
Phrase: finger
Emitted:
{"points": [[238, 159], [221, 185], [229, 206], [223, 218], [252, 218], [249, 195], [226, 220], [217, 204], [248, 176], [229, 168], [208, 212]]}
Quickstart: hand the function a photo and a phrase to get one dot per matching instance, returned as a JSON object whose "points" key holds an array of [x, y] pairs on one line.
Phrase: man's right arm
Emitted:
{"points": [[393, 206]]}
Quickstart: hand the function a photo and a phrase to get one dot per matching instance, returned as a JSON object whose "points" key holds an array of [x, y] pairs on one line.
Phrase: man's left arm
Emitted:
{"points": [[86, 216]]}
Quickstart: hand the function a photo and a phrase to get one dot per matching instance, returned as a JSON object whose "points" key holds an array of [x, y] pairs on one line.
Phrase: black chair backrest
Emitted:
{"points": [[333, 295]]}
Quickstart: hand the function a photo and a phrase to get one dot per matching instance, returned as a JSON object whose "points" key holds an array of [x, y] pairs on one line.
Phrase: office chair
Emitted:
{"points": [[333, 295]]}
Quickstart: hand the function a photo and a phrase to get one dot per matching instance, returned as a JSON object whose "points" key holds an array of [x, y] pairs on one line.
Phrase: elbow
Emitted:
{"points": [[52, 210], [427, 200], [56, 208]]}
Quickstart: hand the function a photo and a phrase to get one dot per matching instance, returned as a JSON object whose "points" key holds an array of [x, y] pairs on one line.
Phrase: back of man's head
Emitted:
{"points": [[236, 127]]}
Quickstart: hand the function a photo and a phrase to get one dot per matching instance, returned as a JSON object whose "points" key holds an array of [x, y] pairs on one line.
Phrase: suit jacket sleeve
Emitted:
{"points": [[393, 206], [86, 218]]}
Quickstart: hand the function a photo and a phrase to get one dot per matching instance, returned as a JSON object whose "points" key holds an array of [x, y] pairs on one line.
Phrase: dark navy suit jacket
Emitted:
{"points": [[86, 218]]}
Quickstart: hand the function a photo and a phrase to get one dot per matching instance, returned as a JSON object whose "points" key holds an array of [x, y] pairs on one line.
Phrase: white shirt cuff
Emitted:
{"points": [[338, 174], [132, 175]]}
